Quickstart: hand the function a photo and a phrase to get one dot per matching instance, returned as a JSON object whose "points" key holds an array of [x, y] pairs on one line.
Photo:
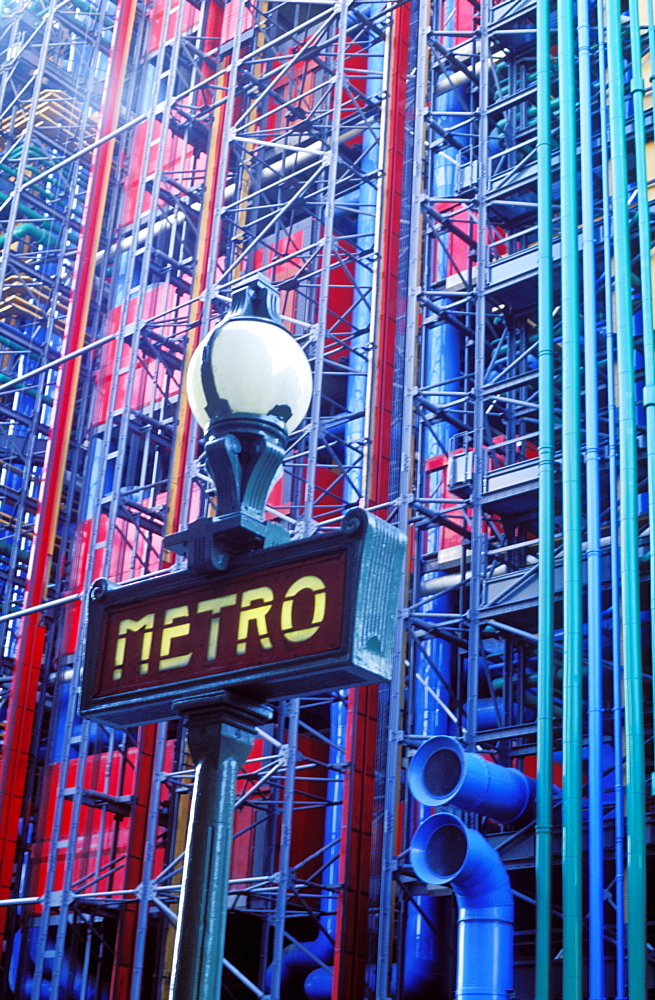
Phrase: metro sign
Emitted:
{"points": [[308, 616]]}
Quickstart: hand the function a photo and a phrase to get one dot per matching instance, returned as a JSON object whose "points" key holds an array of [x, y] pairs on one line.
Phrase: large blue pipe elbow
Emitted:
{"points": [[444, 850], [442, 772], [318, 985], [299, 961]]}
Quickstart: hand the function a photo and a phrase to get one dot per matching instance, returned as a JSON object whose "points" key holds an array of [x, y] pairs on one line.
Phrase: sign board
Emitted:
{"points": [[308, 616]]}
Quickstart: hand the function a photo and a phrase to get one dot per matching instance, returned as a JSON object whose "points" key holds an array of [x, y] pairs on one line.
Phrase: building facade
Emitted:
{"points": [[453, 200]]}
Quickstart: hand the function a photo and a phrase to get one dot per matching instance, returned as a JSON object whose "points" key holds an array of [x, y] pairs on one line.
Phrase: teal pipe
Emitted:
{"points": [[651, 49], [43, 236], [86, 8], [545, 648], [615, 572], [628, 473], [572, 910], [26, 392], [595, 881], [637, 88]]}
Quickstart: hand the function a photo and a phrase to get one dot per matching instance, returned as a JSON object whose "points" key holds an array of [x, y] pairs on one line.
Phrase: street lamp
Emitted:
{"points": [[249, 385]]}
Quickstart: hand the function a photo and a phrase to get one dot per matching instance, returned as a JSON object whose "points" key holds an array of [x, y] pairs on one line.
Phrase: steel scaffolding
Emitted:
{"points": [[420, 181], [516, 549], [244, 140]]}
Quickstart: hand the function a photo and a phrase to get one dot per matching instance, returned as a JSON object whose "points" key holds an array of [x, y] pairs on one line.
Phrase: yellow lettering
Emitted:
{"points": [[147, 623], [315, 584], [170, 632], [257, 615], [215, 606]]}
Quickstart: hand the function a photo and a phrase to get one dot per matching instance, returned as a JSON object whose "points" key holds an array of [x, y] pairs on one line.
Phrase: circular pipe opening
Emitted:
{"points": [[445, 850], [442, 772]]}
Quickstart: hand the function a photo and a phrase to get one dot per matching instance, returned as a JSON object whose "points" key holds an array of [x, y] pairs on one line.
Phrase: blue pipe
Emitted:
{"points": [[444, 851], [423, 956], [617, 696], [592, 473], [441, 772], [491, 711], [615, 569]]}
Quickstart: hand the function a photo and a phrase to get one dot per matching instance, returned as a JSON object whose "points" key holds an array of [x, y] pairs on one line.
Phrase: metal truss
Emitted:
{"points": [[300, 168], [296, 96], [50, 84], [299, 188], [470, 624]]}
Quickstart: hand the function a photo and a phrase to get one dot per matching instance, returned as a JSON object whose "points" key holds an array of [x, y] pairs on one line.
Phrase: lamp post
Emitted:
{"points": [[249, 384]]}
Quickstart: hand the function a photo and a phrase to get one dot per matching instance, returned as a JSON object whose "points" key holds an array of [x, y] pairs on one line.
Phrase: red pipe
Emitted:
{"points": [[348, 982], [143, 785], [25, 681], [391, 312]]}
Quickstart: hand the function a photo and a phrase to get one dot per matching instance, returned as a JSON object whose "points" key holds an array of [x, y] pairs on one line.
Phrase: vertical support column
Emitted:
{"points": [[545, 651], [291, 711], [478, 538], [220, 737], [390, 316], [572, 517], [145, 769], [409, 265], [354, 864], [628, 516], [203, 274], [592, 458]]}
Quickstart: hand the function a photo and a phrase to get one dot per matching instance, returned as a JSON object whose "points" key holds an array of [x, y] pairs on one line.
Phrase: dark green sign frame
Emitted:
{"points": [[308, 616]]}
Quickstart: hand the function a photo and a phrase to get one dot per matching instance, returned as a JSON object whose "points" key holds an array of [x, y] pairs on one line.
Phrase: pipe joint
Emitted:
{"points": [[443, 773], [444, 850]]}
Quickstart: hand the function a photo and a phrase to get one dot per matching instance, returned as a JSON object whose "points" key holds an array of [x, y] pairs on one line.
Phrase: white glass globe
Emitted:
{"points": [[256, 367]]}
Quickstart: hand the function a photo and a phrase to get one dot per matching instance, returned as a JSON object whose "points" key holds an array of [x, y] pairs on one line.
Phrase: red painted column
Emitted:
{"points": [[124, 954], [355, 863], [25, 681], [355, 860], [389, 322]]}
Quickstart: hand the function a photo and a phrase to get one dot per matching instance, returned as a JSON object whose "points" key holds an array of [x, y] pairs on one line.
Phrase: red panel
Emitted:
{"points": [[309, 819], [392, 308], [189, 15], [355, 860], [91, 833], [71, 629], [230, 20], [149, 382], [124, 954]]}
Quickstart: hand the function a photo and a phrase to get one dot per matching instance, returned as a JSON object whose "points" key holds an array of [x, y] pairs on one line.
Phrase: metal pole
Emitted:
{"points": [[478, 537], [572, 518], [220, 735], [628, 516], [545, 651]]}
